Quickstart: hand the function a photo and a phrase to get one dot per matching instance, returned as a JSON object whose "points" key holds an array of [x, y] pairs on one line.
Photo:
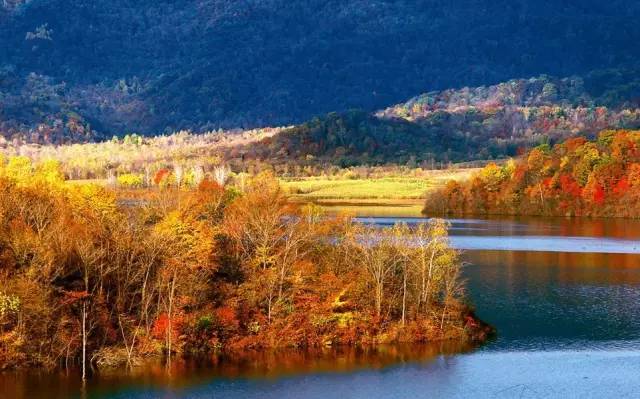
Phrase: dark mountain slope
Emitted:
{"points": [[153, 66]]}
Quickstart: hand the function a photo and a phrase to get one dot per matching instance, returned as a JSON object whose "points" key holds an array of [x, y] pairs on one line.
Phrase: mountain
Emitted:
{"points": [[78, 70], [478, 123]]}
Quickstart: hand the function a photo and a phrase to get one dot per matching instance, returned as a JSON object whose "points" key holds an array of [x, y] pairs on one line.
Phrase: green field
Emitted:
{"points": [[322, 188]]}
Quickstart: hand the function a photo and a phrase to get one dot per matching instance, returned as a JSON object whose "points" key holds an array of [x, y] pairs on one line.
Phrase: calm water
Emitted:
{"points": [[563, 294]]}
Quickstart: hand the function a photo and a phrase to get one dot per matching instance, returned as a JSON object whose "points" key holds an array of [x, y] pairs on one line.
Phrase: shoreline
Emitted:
{"points": [[412, 203], [472, 334]]}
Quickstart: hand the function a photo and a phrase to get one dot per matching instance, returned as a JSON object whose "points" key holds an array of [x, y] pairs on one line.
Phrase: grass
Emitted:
{"points": [[378, 208], [396, 188], [358, 189]]}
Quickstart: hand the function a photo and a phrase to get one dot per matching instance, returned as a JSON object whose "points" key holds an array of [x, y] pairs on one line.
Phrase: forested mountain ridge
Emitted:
{"points": [[614, 88], [485, 122], [85, 70]]}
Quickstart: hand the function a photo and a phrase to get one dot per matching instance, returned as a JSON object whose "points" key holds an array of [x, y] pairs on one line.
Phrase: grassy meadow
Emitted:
{"points": [[319, 188]]}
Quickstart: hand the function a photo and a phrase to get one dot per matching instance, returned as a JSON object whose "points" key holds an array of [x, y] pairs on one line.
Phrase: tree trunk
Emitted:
{"points": [[444, 310], [404, 295], [84, 340], [170, 315], [428, 287], [379, 288]]}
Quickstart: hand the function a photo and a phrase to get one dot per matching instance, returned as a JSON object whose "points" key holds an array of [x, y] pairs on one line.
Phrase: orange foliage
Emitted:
{"points": [[622, 186], [598, 194], [161, 326], [570, 186], [574, 143], [577, 177], [227, 318], [160, 176]]}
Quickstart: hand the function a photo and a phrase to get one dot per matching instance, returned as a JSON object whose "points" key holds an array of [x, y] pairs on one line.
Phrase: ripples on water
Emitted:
{"points": [[559, 235], [547, 301]]}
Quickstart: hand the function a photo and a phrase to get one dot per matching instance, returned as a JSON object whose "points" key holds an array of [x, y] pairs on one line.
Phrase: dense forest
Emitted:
{"points": [[95, 277], [79, 70], [578, 177]]}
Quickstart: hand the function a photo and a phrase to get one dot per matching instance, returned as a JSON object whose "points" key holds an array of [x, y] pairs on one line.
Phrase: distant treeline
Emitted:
{"points": [[458, 125], [430, 131]]}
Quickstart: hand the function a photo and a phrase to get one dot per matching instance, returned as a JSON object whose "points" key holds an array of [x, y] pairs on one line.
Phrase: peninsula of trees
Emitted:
{"points": [[95, 277], [579, 177]]}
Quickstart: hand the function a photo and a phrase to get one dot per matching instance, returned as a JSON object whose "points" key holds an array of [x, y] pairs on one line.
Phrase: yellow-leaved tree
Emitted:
{"points": [[187, 265]]}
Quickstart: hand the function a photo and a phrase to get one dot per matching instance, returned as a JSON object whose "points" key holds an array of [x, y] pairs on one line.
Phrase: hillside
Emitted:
{"points": [[428, 131], [78, 70], [485, 122]]}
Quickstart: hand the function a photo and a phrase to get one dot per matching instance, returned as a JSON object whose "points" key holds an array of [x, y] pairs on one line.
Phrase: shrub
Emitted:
{"points": [[131, 180]]}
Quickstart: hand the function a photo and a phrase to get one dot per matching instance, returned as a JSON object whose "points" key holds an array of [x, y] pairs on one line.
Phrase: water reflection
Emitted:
{"points": [[534, 234], [526, 226], [155, 379], [546, 244], [545, 300]]}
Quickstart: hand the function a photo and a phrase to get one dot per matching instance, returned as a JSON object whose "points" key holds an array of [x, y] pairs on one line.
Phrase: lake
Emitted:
{"points": [[563, 294]]}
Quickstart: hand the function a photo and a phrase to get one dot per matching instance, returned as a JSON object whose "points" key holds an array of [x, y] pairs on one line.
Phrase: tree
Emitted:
{"points": [[375, 252], [269, 234], [187, 262]]}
